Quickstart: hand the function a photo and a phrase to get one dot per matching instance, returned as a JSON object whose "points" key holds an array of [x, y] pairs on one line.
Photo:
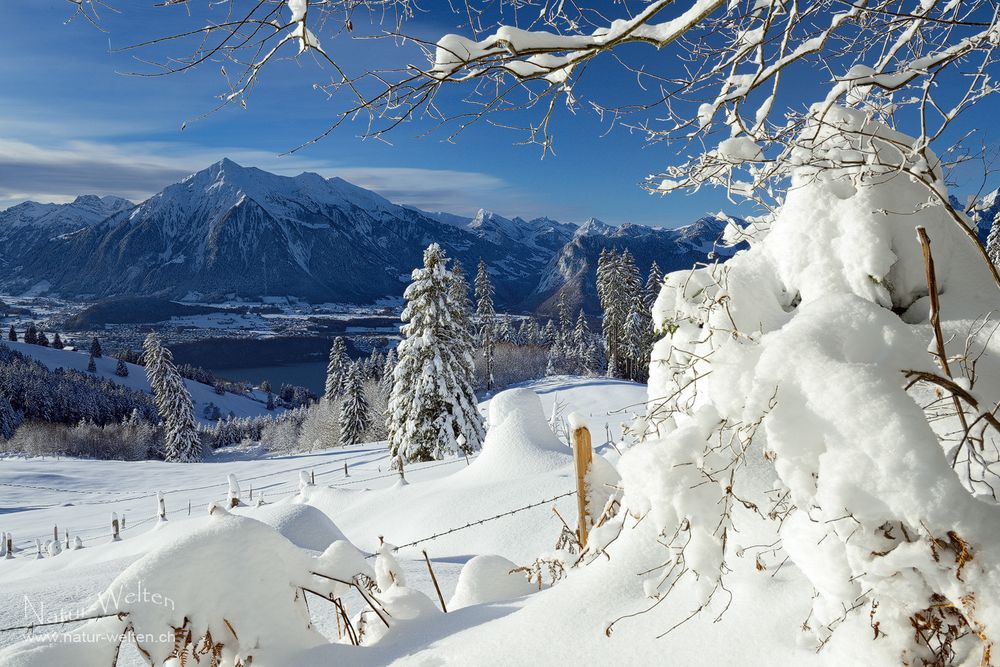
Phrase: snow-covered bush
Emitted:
{"points": [[124, 442], [779, 392], [487, 578]]}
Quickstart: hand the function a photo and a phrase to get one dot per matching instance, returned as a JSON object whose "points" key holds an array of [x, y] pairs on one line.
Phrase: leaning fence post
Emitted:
{"points": [[435, 580], [161, 507], [583, 454]]}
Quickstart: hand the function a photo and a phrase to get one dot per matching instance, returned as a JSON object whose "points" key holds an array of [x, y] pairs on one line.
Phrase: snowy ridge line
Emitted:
{"points": [[479, 522]]}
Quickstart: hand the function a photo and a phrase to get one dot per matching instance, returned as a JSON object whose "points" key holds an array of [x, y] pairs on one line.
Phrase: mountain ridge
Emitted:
{"points": [[230, 231]]}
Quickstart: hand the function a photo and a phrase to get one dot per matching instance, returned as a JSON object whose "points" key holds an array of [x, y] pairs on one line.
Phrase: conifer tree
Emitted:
{"points": [[433, 402], [57, 342], [91, 365], [31, 334], [548, 334], [42, 339], [121, 370], [354, 412], [11, 334], [487, 319], [10, 419], [388, 369], [181, 442], [95, 348], [654, 281], [565, 323], [528, 334], [335, 369], [993, 241], [609, 292], [373, 365]]}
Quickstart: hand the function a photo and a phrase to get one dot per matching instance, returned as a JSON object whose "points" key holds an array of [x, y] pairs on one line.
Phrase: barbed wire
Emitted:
{"points": [[26, 543], [480, 522], [450, 531]]}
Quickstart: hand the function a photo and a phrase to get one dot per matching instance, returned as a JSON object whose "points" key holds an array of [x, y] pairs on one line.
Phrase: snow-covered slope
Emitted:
{"points": [[28, 228], [551, 627], [201, 394]]}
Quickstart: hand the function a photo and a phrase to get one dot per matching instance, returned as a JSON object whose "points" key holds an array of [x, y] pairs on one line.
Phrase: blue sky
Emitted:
{"points": [[70, 123]]}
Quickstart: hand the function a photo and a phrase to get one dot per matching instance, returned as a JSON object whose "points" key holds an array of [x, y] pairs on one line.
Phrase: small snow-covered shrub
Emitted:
{"points": [[488, 578], [123, 442]]}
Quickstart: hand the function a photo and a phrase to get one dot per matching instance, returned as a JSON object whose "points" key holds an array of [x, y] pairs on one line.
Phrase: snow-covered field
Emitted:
{"points": [[522, 464]]}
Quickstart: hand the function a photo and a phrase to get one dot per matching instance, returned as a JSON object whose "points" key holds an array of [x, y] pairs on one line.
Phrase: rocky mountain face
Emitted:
{"points": [[29, 228], [230, 231]]}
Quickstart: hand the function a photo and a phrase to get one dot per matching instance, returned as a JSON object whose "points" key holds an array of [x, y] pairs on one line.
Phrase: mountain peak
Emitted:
{"points": [[595, 227]]}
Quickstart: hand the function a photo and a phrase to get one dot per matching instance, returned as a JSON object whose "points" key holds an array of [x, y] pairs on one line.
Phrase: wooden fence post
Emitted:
{"points": [[161, 507], [115, 535], [346, 474], [10, 545], [435, 580], [583, 454]]}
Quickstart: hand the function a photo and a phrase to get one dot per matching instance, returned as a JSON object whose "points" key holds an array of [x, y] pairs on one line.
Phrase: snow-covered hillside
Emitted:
{"points": [[202, 395], [524, 462]]}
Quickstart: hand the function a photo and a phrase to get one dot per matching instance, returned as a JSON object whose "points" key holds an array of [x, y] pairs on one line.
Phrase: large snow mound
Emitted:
{"points": [[519, 440], [486, 579], [302, 525]]}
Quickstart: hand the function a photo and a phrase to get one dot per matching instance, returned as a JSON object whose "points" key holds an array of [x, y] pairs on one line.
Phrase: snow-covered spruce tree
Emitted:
{"points": [[31, 334], [95, 348], [486, 316], [654, 281], [10, 419], [387, 381], [121, 369], [42, 339], [181, 441], [57, 342], [585, 356], [91, 365], [992, 242], [335, 369], [461, 304], [432, 401], [11, 334], [354, 412]]}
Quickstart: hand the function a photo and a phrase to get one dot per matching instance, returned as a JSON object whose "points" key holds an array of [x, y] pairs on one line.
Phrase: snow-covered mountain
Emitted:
{"points": [[231, 231], [572, 270], [26, 227]]}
